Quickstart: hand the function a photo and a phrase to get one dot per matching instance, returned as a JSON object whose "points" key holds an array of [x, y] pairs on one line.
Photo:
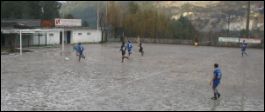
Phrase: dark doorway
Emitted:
{"points": [[3, 40], [68, 36], [60, 37]]}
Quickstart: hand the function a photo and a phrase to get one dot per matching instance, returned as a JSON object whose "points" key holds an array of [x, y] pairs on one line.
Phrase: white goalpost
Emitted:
{"points": [[38, 31]]}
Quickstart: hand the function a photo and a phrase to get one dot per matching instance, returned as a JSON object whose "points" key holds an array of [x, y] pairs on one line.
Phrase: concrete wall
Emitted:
{"points": [[113, 39], [94, 36], [38, 40], [191, 42], [53, 38], [74, 38]]}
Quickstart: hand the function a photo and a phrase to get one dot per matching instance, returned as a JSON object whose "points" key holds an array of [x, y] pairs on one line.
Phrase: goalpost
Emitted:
{"points": [[39, 31]]}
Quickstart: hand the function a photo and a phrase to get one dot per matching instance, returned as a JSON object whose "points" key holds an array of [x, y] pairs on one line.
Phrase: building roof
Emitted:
{"points": [[71, 28], [28, 31], [25, 22], [14, 25]]}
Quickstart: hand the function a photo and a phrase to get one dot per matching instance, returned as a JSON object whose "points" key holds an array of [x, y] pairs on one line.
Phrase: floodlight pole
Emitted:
{"points": [[247, 25], [20, 43], [59, 35], [62, 40], [97, 21], [45, 38]]}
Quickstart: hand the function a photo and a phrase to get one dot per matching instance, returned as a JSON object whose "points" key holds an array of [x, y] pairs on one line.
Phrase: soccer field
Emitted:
{"points": [[168, 77]]}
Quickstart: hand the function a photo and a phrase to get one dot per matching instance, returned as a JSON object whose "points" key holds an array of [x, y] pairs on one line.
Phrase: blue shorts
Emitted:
{"points": [[80, 53], [243, 49], [215, 84], [129, 50]]}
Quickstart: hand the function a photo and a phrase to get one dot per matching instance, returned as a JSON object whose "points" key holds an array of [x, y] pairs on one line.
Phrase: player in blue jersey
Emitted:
{"points": [[129, 46], [244, 48], [81, 49], [123, 50], [216, 81], [75, 47]]}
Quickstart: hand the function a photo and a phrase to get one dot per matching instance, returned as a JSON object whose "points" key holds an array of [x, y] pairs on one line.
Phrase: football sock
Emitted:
{"points": [[215, 95]]}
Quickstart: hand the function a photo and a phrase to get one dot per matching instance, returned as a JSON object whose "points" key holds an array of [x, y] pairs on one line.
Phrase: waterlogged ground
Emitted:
{"points": [[167, 77]]}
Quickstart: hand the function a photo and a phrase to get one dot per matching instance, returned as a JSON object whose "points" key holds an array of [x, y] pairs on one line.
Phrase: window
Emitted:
{"points": [[79, 34], [51, 34], [88, 33]]}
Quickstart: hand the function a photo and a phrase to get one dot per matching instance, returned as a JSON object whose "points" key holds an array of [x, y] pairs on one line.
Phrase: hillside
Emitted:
{"points": [[87, 10]]}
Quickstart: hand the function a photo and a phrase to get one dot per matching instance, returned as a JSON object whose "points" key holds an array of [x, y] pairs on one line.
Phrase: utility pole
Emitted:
{"points": [[155, 22], [190, 27], [190, 21], [248, 10], [97, 21], [228, 23], [107, 12], [123, 27], [106, 22]]}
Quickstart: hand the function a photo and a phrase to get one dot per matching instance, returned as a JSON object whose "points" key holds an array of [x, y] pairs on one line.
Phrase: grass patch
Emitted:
{"points": [[5, 49]]}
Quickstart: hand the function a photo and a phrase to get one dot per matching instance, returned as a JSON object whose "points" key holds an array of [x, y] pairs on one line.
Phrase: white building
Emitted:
{"points": [[71, 36]]}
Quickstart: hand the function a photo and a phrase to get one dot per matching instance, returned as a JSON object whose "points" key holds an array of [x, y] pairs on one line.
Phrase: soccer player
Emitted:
{"points": [[123, 49], [215, 81], [75, 47], [244, 48], [141, 48], [196, 40], [81, 49], [129, 46]]}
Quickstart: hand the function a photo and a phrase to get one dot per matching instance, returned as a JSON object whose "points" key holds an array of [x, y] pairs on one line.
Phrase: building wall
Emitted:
{"points": [[84, 37], [74, 38], [36, 39], [7, 27], [53, 38]]}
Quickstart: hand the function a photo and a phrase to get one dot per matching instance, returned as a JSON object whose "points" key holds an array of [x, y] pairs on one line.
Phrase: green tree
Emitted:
{"points": [[85, 23], [32, 10], [12, 9], [50, 10], [114, 17], [68, 16], [133, 7]]}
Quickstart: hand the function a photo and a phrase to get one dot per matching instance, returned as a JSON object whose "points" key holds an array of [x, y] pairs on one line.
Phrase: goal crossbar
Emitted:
{"points": [[20, 31]]}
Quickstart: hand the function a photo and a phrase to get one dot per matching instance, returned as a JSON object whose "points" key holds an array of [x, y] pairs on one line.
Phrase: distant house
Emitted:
{"points": [[8, 35], [33, 23], [71, 35]]}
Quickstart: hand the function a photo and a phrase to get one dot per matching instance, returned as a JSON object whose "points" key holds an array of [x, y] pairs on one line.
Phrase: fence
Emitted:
{"points": [[191, 42]]}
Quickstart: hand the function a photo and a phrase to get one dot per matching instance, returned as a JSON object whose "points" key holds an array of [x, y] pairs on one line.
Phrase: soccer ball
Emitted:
{"points": [[66, 58]]}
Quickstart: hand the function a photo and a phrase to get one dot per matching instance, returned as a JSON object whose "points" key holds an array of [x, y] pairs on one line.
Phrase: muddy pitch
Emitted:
{"points": [[167, 77]]}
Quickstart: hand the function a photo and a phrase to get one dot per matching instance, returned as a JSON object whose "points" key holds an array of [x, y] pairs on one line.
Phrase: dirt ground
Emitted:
{"points": [[168, 77]]}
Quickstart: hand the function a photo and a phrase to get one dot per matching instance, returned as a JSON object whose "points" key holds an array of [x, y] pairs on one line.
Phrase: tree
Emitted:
{"points": [[68, 16], [133, 7], [114, 18], [50, 10], [12, 9], [102, 22], [85, 23], [32, 10]]}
